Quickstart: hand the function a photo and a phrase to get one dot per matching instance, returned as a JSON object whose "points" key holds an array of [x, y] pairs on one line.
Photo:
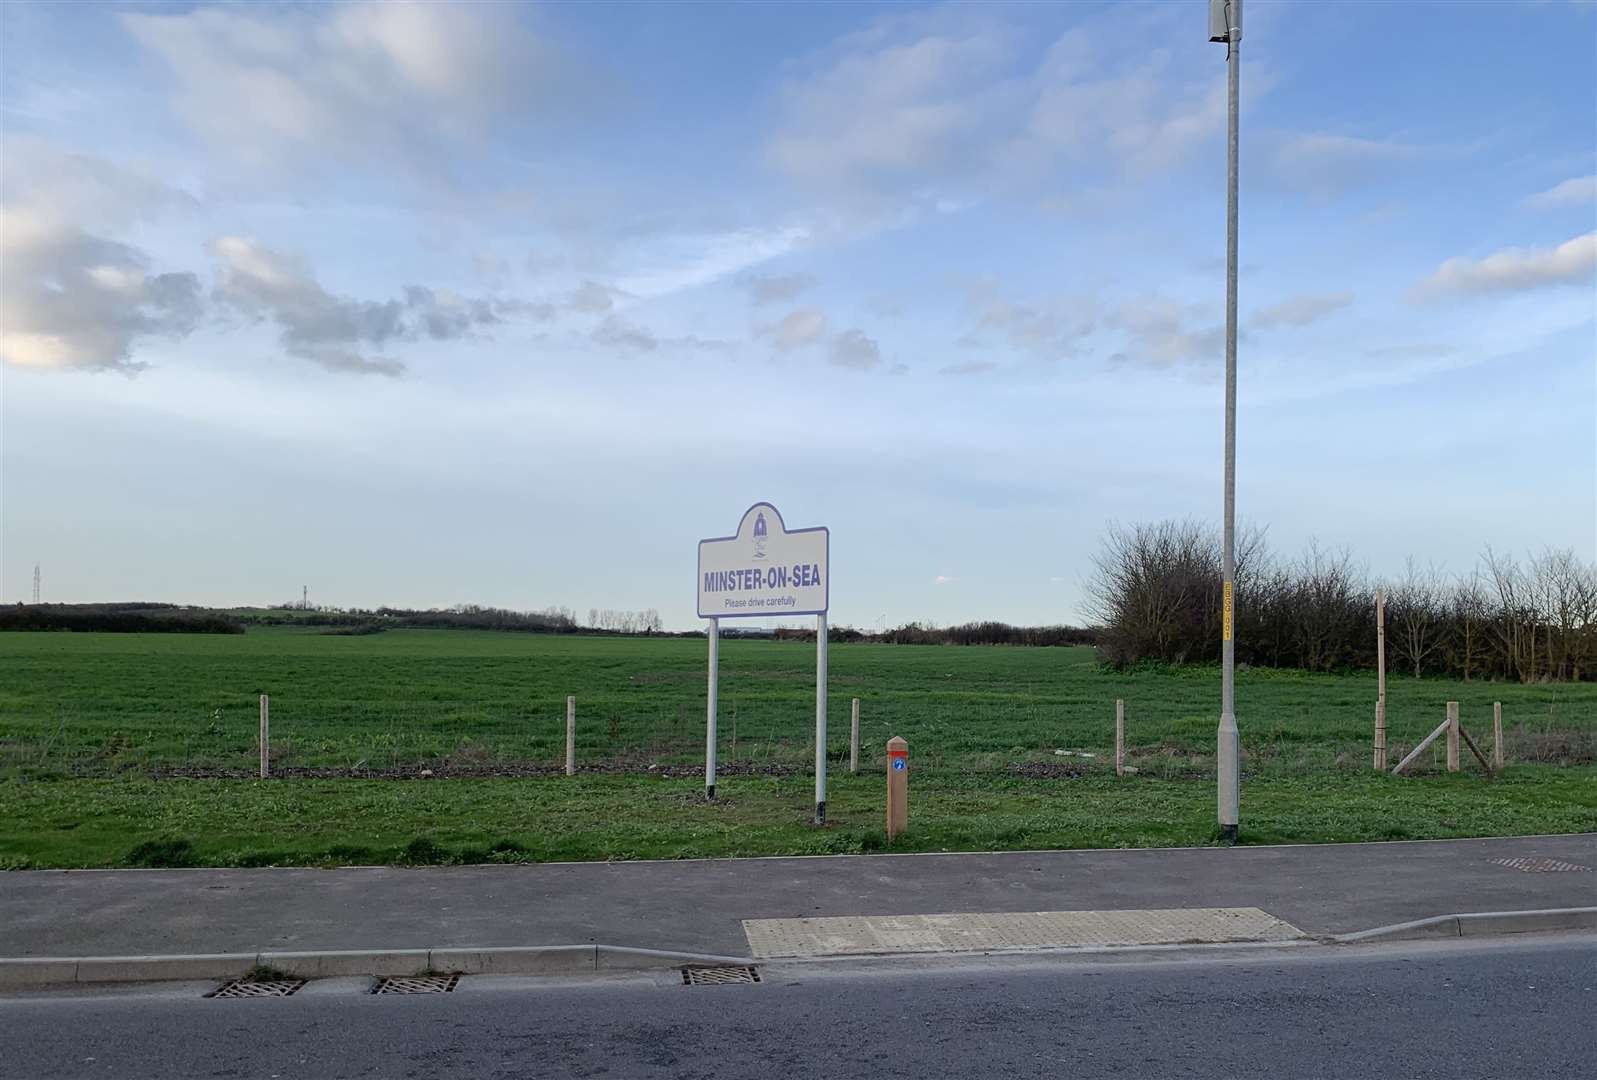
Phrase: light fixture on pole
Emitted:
{"points": [[1225, 25]]}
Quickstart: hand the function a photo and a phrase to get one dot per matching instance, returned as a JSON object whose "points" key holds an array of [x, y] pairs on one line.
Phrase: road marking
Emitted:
{"points": [[852, 935]]}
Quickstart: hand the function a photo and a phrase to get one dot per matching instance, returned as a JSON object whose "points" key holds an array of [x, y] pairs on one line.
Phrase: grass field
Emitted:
{"points": [[93, 728]]}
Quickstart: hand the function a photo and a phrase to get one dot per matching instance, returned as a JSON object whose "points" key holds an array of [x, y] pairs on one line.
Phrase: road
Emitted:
{"points": [[1512, 1008]]}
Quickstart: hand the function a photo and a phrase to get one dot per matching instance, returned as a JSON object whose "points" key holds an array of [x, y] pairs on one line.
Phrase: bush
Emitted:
{"points": [[1157, 592], [116, 619]]}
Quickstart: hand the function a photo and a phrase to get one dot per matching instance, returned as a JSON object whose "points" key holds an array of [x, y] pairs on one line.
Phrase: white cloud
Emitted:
{"points": [[1160, 333], [88, 190], [1327, 164], [1576, 191], [337, 332], [592, 298], [970, 367], [1051, 328], [272, 85], [1514, 270], [901, 108], [946, 98], [776, 288], [618, 332], [72, 297], [852, 349], [669, 264], [944, 579], [77, 301], [802, 326], [1301, 310]]}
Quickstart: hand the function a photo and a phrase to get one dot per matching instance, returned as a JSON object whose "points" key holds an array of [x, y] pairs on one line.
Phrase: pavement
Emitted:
{"points": [[1456, 1010], [698, 906]]}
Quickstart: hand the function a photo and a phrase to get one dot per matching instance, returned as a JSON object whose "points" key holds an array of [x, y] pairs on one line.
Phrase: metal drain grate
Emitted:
{"points": [[718, 976], [416, 984], [248, 988], [1539, 865]]}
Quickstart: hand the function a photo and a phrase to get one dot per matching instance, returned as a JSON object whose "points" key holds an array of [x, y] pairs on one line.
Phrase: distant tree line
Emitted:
{"points": [[551, 620], [1156, 590], [987, 632], [625, 622], [117, 619]]}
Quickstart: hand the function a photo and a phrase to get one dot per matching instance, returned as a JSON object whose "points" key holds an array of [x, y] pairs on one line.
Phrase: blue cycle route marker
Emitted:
{"points": [[900, 764]]}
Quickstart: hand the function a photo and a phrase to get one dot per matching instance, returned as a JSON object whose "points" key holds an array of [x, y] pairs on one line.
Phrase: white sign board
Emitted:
{"points": [[764, 569]]}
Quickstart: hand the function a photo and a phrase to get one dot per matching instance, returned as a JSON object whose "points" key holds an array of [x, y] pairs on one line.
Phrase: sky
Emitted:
{"points": [[427, 304]]}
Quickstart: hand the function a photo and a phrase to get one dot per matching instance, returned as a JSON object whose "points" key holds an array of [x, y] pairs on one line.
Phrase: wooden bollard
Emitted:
{"points": [[266, 738], [1380, 736], [571, 735], [1452, 736], [853, 739], [1497, 735], [897, 786], [1120, 737]]}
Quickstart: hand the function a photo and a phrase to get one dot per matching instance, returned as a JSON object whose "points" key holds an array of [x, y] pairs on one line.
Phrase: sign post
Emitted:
{"points": [[709, 718], [820, 719], [763, 570]]}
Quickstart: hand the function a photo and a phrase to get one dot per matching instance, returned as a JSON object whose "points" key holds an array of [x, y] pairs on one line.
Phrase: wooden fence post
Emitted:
{"points": [[853, 739], [1452, 736], [1497, 734], [1380, 736], [571, 735], [1380, 680], [266, 738], [1120, 736]]}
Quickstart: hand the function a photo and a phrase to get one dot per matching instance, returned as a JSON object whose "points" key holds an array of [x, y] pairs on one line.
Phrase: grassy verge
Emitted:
{"points": [[88, 823]]}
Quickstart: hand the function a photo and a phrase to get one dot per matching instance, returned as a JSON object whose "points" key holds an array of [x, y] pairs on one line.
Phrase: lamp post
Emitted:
{"points": [[1225, 25]]}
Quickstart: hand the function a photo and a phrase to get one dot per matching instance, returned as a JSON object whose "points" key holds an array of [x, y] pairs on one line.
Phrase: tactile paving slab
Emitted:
{"points": [[995, 931]]}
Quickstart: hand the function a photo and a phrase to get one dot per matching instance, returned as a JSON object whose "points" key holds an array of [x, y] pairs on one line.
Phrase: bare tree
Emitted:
{"points": [[1513, 622], [1330, 596], [1469, 613], [1561, 586], [1417, 610]]}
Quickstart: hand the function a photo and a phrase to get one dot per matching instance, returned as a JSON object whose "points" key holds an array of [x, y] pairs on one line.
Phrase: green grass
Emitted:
{"points": [[87, 719]]}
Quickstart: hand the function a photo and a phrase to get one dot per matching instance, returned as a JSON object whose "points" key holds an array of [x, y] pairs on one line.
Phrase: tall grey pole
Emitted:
{"points": [[1228, 750]]}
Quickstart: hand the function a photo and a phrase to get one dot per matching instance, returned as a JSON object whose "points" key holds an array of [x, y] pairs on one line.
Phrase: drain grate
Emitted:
{"points": [[249, 988], [718, 976], [416, 984], [1539, 865]]}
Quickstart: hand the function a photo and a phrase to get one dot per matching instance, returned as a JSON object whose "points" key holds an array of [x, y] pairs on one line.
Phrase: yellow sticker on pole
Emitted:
{"points": [[1226, 613]]}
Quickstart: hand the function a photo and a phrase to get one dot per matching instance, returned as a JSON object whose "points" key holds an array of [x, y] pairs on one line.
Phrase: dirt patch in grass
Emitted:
{"points": [[1557, 747], [1048, 770]]}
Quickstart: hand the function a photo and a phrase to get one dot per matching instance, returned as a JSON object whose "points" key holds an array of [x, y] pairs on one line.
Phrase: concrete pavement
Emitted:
{"points": [[698, 905]]}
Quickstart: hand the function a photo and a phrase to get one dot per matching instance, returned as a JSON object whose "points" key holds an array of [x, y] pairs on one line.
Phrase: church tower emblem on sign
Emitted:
{"points": [[759, 535]]}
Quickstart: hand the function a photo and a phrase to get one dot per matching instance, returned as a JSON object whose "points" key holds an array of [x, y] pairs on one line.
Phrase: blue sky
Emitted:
{"points": [[512, 304]]}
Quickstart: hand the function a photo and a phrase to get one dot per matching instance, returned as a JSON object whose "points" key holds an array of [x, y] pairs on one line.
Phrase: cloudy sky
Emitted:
{"points": [[427, 304]]}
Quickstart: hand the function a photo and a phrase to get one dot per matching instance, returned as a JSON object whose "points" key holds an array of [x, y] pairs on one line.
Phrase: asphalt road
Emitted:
{"points": [[1503, 1008]]}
